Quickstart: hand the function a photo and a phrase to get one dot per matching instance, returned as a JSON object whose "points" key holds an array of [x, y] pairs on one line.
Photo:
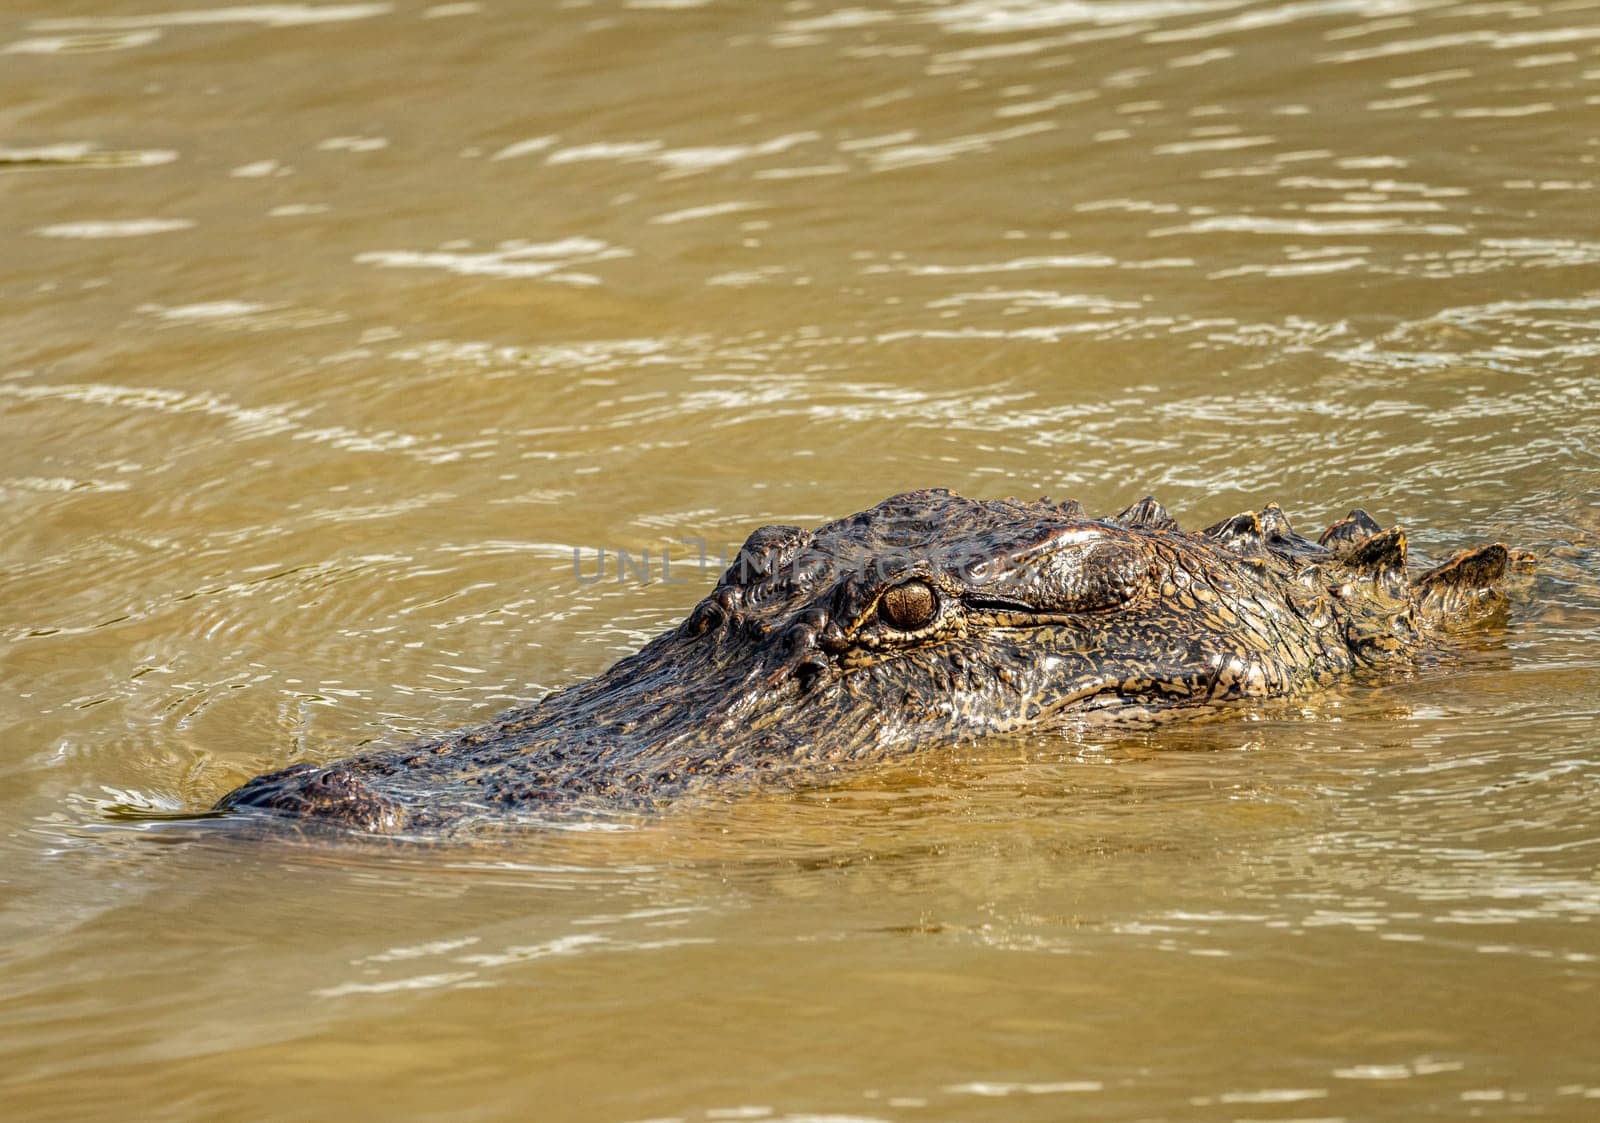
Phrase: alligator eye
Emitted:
{"points": [[909, 606]]}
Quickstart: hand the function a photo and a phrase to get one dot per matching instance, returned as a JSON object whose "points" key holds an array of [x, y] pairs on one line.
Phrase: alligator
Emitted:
{"points": [[929, 620]]}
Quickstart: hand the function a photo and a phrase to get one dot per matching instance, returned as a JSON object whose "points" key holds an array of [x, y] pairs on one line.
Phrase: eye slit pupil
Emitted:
{"points": [[909, 606]]}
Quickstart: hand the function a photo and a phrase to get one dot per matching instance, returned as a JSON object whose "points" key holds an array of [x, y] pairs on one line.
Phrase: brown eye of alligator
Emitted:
{"points": [[909, 606]]}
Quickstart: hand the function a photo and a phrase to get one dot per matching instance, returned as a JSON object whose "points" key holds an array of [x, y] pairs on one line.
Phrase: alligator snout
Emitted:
{"points": [[334, 795]]}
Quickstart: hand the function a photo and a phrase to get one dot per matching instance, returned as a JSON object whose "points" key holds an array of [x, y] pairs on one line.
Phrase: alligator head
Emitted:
{"points": [[929, 620]]}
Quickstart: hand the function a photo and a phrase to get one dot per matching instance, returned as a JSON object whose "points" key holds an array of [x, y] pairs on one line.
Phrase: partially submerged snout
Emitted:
{"points": [[331, 794]]}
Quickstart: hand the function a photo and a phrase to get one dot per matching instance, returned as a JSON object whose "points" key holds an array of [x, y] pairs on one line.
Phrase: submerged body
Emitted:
{"points": [[929, 620]]}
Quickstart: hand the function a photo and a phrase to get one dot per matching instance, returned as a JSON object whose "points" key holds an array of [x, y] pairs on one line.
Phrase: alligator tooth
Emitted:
{"points": [[1146, 512]]}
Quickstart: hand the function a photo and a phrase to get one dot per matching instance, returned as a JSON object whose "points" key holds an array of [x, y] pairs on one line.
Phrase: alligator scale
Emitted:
{"points": [[931, 619]]}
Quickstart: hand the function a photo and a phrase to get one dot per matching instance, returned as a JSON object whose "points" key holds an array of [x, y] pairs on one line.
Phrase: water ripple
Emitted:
{"points": [[115, 228], [81, 44], [547, 261], [266, 15]]}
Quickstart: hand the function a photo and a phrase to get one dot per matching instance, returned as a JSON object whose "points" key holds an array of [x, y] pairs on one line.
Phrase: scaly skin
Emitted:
{"points": [[930, 620]]}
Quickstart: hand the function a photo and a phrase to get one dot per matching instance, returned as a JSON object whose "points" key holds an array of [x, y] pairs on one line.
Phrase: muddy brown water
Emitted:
{"points": [[329, 330]]}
